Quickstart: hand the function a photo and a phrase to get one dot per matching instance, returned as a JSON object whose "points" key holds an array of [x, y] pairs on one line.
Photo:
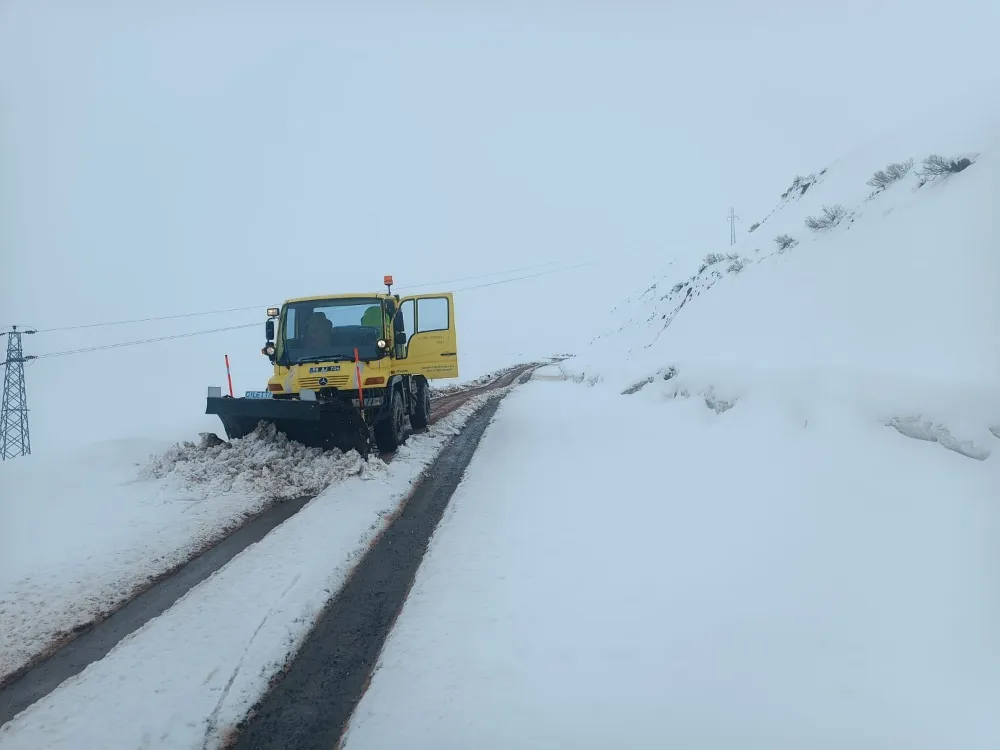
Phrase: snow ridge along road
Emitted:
{"points": [[97, 640]]}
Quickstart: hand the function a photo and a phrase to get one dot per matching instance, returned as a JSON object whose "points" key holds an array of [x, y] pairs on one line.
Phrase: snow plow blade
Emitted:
{"points": [[315, 424]]}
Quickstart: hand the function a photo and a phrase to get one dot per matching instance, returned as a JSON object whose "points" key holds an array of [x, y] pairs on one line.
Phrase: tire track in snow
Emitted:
{"points": [[232, 678]]}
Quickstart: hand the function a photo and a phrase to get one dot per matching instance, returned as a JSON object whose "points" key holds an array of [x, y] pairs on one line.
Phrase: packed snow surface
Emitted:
{"points": [[649, 573], [84, 533], [188, 676]]}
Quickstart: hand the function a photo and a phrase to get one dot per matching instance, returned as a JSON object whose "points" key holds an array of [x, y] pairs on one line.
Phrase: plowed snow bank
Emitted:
{"points": [[263, 464]]}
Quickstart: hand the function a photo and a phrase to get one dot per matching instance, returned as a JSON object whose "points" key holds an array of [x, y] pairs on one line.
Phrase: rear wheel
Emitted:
{"points": [[421, 416], [390, 429]]}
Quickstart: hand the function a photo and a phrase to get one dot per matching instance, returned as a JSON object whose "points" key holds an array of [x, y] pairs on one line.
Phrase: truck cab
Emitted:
{"points": [[371, 352]]}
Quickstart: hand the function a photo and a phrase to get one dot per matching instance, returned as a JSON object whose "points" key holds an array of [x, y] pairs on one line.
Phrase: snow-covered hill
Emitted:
{"points": [[892, 311], [781, 569]]}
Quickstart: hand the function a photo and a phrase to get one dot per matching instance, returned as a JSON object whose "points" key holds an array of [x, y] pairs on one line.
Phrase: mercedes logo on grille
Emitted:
{"points": [[323, 381]]}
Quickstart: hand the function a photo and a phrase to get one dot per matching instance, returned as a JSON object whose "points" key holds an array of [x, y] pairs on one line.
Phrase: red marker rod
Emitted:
{"points": [[357, 374], [230, 377]]}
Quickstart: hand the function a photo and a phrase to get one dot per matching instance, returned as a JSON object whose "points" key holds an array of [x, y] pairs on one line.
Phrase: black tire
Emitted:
{"points": [[389, 430], [421, 416]]}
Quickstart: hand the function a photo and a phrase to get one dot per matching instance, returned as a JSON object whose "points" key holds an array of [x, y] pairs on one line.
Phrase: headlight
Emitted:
{"points": [[269, 350], [272, 312], [381, 343]]}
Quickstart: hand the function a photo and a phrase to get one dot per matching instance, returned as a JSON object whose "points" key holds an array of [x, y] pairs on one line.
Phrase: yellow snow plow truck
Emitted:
{"points": [[349, 369]]}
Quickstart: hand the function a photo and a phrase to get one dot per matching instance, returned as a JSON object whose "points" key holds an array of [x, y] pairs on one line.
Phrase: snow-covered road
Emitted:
{"points": [[187, 677], [635, 572], [82, 534]]}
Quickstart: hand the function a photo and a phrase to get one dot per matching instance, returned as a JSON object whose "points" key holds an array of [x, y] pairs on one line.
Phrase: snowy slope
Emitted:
{"points": [[718, 532], [720, 581], [895, 310]]}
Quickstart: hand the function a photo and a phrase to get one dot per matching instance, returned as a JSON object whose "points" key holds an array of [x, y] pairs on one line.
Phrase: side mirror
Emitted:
{"points": [[269, 330]]}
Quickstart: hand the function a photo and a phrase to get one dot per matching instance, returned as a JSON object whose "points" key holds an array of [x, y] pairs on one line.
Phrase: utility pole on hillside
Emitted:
{"points": [[14, 438], [732, 226]]}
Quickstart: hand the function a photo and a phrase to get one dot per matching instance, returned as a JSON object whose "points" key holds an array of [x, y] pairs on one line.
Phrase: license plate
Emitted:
{"points": [[258, 394], [370, 401]]}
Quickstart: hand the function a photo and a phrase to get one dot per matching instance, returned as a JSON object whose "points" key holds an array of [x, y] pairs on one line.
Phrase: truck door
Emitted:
{"points": [[431, 347]]}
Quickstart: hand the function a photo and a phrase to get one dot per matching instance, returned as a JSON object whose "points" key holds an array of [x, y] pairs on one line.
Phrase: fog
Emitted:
{"points": [[167, 158]]}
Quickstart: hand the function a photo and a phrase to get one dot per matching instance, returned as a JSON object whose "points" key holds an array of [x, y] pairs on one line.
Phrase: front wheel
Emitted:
{"points": [[389, 430], [421, 416]]}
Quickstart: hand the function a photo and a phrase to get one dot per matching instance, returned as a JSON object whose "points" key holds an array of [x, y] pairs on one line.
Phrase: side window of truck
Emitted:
{"points": [[406, 313], [432, 314]]}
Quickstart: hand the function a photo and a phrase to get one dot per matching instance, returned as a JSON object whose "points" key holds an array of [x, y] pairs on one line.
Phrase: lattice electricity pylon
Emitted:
{"points": [[14, 437]]}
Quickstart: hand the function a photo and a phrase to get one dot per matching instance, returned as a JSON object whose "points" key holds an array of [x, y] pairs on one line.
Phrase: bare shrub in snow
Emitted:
{"points": [[801, 184], [710, 260], [832, 215], [737, 265], [719, 405], [795, 183], [633, 389], [678, 286], [938, 166], [892, 173], [754, 226], [785, 241]]}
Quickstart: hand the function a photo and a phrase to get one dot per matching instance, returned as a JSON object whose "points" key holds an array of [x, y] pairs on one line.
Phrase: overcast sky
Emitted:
{"points": [[163, 157]]}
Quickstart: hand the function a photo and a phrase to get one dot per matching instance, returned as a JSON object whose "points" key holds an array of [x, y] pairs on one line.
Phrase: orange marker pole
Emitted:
{"points": [[230, 377], [357, 374]]}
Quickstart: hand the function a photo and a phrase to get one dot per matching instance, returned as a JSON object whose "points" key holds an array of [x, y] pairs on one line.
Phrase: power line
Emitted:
{"points": [[532, 276], [151, 319], [483, 275], [144, 341], [157, 339], [178, 316]]}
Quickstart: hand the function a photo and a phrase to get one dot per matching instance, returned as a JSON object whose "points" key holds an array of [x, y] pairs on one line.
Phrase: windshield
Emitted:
{"points": [[330, 329]]}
